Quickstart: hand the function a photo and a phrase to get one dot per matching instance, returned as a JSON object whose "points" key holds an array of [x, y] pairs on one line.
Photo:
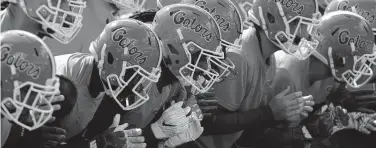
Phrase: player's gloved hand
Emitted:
{"points": [[192, 103], [192, 133], [208, 103], [361, 122], [174, 121], [117, 137], [285, 105], [50, 137]]}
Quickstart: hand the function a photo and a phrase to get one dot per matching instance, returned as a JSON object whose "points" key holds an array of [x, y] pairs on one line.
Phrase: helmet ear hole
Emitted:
{"points": [[110, 58], [339, 62], [271, 18]]}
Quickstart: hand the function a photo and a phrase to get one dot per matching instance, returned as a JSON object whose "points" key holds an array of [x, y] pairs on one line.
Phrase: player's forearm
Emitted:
{"points": [[150, 139], [237, 121]]}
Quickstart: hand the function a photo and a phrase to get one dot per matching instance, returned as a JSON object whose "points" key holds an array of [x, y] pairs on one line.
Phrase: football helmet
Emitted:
{"points": [[229, 21], [63, 17], [192, 40], [286, 23], [28, 81], [365, 8], [129, 55], [346, 43], [244, 6]]}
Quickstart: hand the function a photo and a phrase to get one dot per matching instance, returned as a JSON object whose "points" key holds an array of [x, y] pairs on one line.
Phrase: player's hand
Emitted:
{"points": [[191, 134], [285, 105], [50, 137], [174, 121], [208, 103], [303, 113], [192, 103], [118, 137]]}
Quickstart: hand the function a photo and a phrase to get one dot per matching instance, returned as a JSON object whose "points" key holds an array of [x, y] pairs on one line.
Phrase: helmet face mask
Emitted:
{"points": [[28, 88], [200, 77], [63, 17], [287, 27], [138, 82], [32, 104]]}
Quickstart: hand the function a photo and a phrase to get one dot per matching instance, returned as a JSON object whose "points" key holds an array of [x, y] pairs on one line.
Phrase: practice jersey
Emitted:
{"points": [[95, 17], [243, 90], [78, 67], [295, 73], [143, 115]]}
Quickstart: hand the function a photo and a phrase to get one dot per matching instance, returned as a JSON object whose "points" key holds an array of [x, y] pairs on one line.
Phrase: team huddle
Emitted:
{"points": [[188, 73]]}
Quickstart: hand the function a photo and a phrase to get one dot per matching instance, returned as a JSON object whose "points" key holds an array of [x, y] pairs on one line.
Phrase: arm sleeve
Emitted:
{"points": [[238, 121]]}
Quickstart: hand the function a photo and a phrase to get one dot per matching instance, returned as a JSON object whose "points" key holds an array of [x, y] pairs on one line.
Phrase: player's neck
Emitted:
{"points": [[20, 21], [267, 47]]}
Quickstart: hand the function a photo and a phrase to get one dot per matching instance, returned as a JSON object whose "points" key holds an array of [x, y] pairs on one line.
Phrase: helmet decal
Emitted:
{"points": [[19, 62], [293, 5], [190, 23], [222, 23], [119, 37], [346, 38]]}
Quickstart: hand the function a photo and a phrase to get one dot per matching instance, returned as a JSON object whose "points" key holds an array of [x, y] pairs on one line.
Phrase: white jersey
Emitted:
{"points": [[242, 91], [78, 68]]}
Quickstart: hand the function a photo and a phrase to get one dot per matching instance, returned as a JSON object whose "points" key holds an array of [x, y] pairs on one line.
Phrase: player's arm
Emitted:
{"points": [[231, 93]]}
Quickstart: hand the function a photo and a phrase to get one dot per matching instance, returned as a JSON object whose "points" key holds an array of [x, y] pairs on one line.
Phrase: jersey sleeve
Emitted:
{"points": [[77, 67], [231, 91]]}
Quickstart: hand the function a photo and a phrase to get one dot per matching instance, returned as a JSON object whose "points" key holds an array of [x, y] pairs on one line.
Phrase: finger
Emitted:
{"points": [[172, 102], [121, 127], [296, 102], [135, 132], [207, 102], [294, 95], [57, 98], [206, 109], [284, 92], [293, 112], [56, 107], [139, 139], [366, 97], [307, 109], [53, 130], [361, 92], [135, 145], [304, 114], [53, 137], [204, 95], [52, 119], [187, 110], [50, 144], [115, 121], [371, 127], [207, 115], [365, 131]]}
